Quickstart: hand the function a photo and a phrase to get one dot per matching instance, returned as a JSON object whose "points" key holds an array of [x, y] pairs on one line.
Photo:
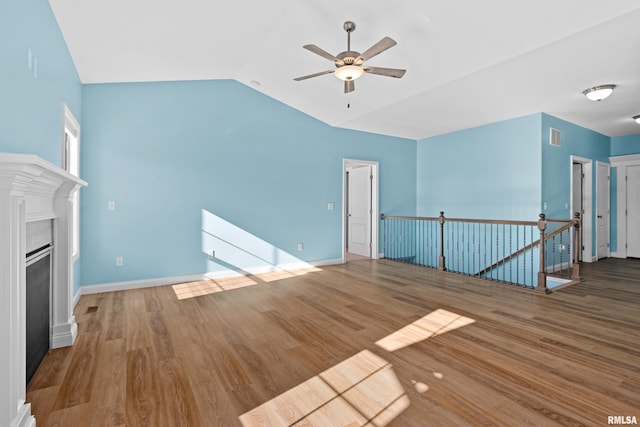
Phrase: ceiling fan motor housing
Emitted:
{"points": [[347, 58]]}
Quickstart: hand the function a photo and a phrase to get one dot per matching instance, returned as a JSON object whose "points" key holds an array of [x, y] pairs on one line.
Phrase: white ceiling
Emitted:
{"points": [[468, 62]]}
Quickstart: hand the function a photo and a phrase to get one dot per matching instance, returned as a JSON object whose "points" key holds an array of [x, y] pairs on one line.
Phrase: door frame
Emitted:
{"points": [[587, 205], [620, 163], [577, 201], [608, 204], [375, 209]]}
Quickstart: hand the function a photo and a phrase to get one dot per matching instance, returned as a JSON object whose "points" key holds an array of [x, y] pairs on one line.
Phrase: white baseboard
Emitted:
{"points": [[325, 262], [137, 284], [222, 274]]}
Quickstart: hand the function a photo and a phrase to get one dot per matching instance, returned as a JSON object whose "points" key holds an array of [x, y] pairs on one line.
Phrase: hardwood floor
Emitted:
{"points": [[301, 347]]}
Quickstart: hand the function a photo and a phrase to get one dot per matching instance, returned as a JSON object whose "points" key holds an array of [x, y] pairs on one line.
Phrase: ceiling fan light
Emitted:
{"points": [[637, 119], [598, 93], [349, 72]]}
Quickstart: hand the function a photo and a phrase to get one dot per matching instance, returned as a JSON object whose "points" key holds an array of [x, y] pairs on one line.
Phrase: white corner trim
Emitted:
{"points": [[24, 417], [222, 274], [64, 335], [76, 298]]}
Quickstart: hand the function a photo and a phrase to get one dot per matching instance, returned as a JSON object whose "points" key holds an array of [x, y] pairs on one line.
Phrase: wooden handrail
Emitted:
{"points": [[475, 220]]}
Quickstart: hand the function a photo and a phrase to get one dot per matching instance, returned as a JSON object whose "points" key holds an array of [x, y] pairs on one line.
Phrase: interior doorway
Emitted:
{"points": [[602, 210], [581, 201], [360, 210], [577, 198]]}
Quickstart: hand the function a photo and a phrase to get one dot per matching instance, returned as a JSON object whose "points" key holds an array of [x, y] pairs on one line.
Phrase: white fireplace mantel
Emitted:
{"points": [[31, 189]]}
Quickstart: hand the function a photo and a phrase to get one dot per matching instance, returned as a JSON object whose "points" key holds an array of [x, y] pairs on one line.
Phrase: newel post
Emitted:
{"points": [[542, 272], [577, 247], [441, 260]]}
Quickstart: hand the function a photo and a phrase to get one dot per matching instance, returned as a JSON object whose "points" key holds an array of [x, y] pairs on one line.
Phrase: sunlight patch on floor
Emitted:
{"points": [[435, 323], [360, 391], [212, 286], [273, 276], [208, 287]]}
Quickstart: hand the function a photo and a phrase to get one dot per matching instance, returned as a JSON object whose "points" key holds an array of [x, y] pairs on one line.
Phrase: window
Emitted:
{"points": [[71, 163]]}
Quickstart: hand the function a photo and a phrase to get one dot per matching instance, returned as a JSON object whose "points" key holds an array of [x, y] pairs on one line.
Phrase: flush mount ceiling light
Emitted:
{"points": [[598, 93], [637, 119]]}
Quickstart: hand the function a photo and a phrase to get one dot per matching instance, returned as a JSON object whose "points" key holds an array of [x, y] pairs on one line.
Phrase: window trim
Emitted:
{"points": [[71, 125]]}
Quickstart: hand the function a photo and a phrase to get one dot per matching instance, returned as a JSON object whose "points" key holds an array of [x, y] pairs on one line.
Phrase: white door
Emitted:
{"points": [[359, 211], [602, 210], [633, 211]]}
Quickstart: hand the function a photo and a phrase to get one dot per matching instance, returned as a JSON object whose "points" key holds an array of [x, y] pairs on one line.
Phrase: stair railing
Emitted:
{"points": [[517, 252]]}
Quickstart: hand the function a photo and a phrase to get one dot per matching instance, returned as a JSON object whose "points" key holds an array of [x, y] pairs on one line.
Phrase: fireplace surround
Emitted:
{"points": [[31, 189]]}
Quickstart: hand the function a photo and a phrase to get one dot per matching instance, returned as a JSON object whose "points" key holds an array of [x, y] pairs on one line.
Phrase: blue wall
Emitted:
{"points": [[624, 145], [556, 166], [31, 107], [556, 162], [177, 157], [490, 172]]}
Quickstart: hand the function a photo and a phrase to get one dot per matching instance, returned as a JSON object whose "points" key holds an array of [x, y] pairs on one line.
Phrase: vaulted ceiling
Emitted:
{"points": [[468, 62]]}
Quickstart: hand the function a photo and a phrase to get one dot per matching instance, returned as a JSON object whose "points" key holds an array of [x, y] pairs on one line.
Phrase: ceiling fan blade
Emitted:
{"points": [[349, 86], [321, 73], [389, 72], [376, 49], [315, 49]]}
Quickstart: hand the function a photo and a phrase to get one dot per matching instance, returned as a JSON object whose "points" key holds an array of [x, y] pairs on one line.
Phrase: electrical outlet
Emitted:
{"points": [[300, 247], [119, 261], [211, 254], [111, 205]]}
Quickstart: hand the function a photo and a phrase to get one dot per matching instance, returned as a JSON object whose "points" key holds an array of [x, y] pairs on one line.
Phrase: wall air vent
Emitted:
{"points": [[554, 137]]}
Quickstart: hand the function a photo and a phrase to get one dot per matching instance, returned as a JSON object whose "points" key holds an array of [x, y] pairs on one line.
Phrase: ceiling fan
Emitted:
{"points": [[349, 64]]}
